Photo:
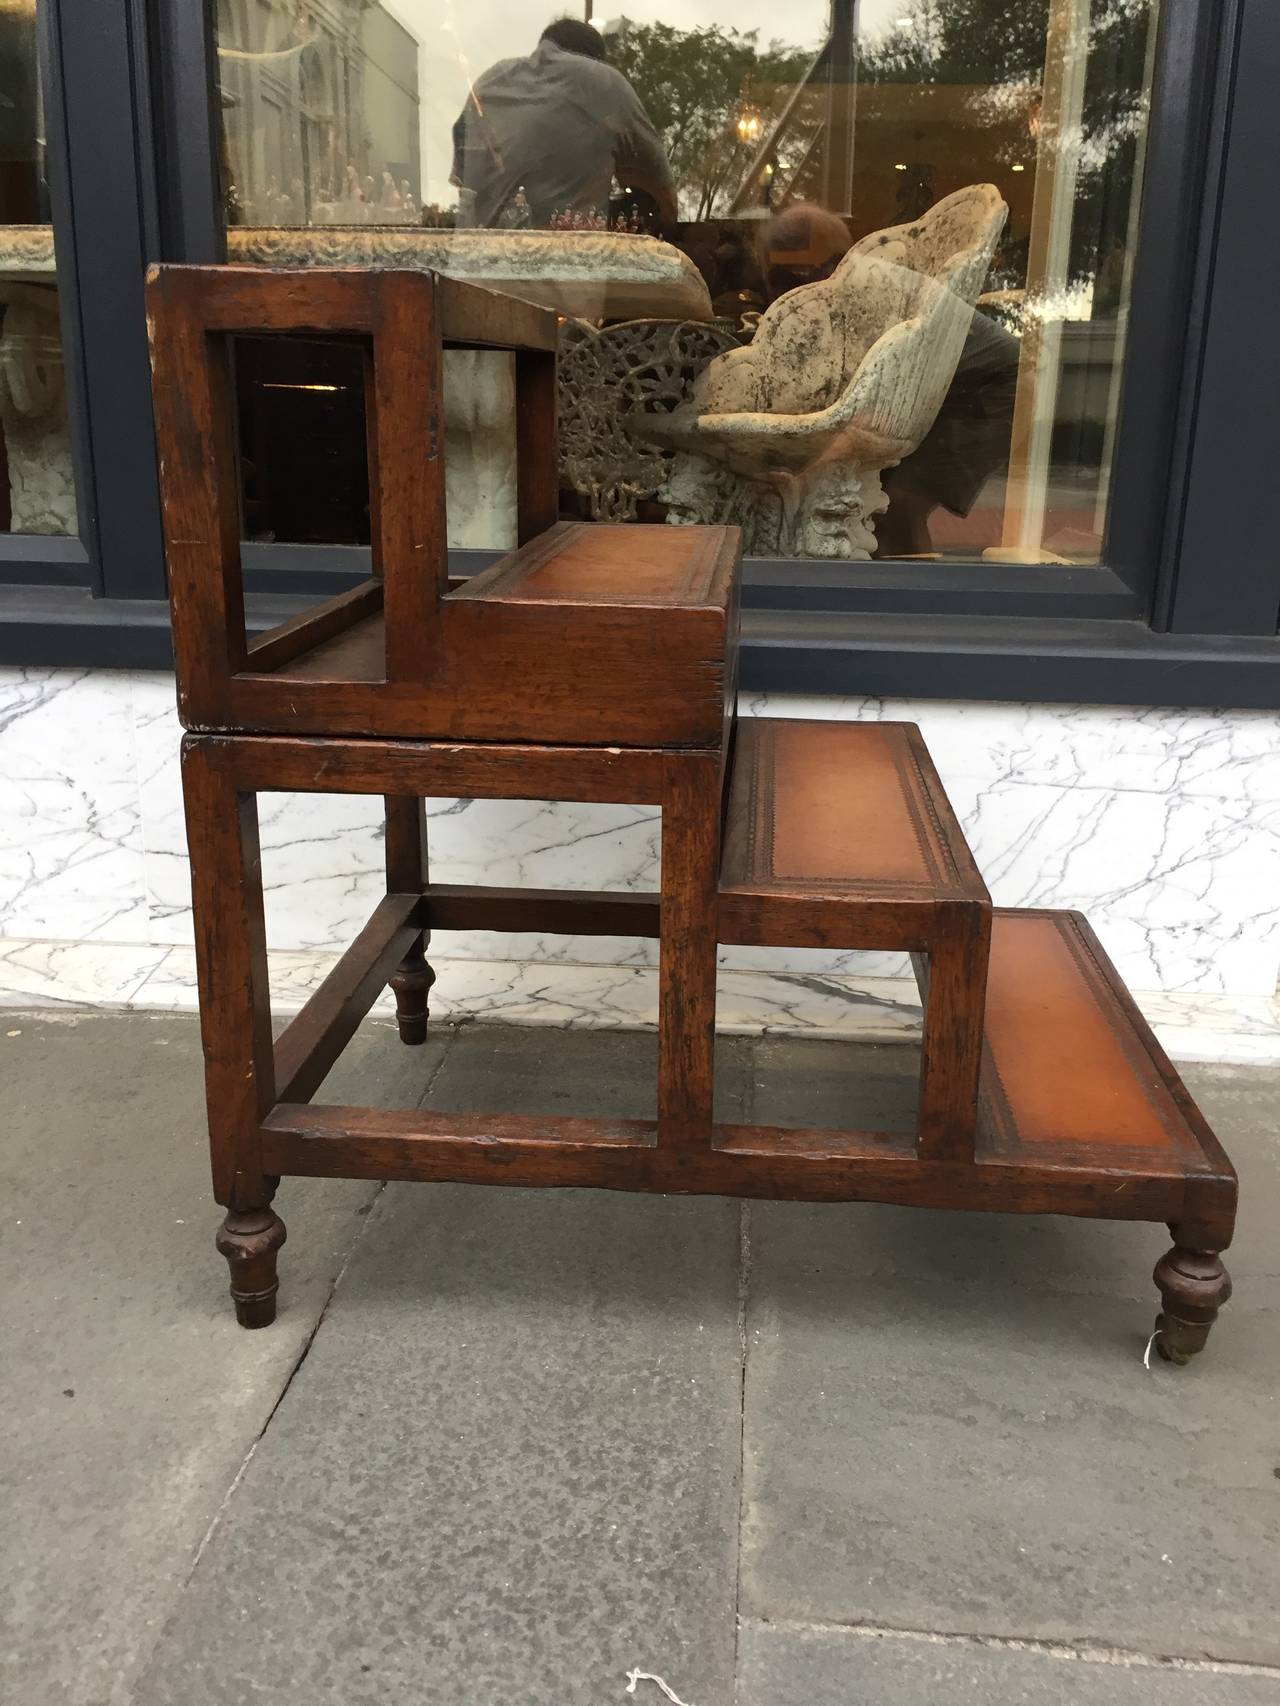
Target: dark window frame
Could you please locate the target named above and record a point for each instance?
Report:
(60, 559)
(137, 85)
(99, 164)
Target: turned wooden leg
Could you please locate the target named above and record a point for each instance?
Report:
(1193, 1287)
(411, 985)
(250, 1239)
(407, 874)
(235, 1016)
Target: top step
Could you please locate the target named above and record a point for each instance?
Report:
(587, 636)
(584, 636)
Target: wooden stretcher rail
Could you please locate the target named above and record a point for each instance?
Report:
(744, 1161)
(581, 912)
(393, 1143)
(743, 919)
(308, 1047)
(438, 769)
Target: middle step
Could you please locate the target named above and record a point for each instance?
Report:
(840, 835)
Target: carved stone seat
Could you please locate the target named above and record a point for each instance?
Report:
(788, 436)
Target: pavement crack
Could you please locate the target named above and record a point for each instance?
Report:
(304, 1351)
(451, 1033)
(1083, 1651)
(744, 1286)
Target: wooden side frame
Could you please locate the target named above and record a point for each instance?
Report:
(245, 1077)
(404, 321)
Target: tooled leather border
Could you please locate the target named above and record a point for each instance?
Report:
(921, 809)
(695, 582)
(997, 1127)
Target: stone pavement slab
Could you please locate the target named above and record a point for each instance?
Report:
(508, 1467)
(789, 1667)
(506, 1472)
(949, 1427)
(1242, 1104)
(537, 1069)
(130, 1396)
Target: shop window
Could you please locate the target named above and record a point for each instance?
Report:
(887, 317)
(37, 486)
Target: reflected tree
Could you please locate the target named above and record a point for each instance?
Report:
(712, 93)
(998, 47)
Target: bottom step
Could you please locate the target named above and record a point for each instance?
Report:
(1079, 1112)
(1072, 1077)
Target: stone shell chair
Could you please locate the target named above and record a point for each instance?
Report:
(789, 435)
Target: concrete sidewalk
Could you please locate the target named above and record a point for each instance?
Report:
(508, 1446)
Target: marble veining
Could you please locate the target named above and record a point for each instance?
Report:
(70, 832)
(87, 975)
(1163, 825)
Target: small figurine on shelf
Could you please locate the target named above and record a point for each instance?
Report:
(516, 215)
(578, 219)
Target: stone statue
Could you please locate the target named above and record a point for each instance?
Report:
(844, 377)
(33, 409)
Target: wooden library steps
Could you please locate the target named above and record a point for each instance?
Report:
(599, 664)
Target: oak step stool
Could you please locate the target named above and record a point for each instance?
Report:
(599, 664)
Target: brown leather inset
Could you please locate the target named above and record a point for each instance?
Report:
(1067, 1067)
(608, 565)
(835, 805)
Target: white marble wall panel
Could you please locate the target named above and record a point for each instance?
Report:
(1162, 825)
(70, 833)
(1162, 750)
(322, 854)
(78, 974)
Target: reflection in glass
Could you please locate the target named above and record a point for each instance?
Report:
(542, 138)
(37, 488)
(907, 227)
(321, 122)
(304, 461)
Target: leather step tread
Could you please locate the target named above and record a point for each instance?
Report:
(633, 566)
(841, 809)
(1071, 1073)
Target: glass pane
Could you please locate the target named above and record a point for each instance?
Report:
(304, 459)
(855, 275)
(37, 489)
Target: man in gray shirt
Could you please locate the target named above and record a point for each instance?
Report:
(559, 125)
